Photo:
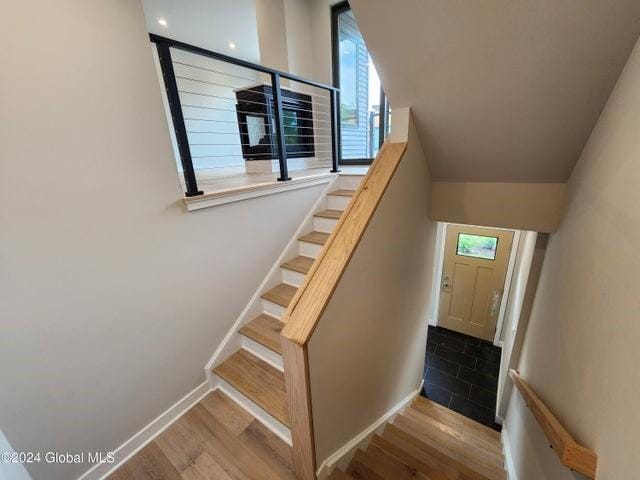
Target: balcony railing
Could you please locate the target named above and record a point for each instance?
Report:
(232, 116)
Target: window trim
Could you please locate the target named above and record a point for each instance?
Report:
(336, 10)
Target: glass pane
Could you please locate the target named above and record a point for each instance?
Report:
(478, 246)
(348, 82)
(360, 91)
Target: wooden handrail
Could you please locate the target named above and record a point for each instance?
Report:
(570, 453)
(307, 306)
(311, 299)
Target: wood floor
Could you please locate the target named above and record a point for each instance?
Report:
(215, 440)
(219, 440)
(429, 442)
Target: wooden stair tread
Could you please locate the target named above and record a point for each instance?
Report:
(456, 420)
(300, 264)
(339, 475)
(360, 470)
(388, 466)
(258, 381)
(265, 330)
(333, 214)
(417, 449)
(432, 468)
(281, 294)
(476, 463)
(463, 434)
(319, 238)
(343, 193)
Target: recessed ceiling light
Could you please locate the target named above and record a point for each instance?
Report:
(162, 22)
(232, 45)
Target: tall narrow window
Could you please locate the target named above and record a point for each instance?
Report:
(363, 112)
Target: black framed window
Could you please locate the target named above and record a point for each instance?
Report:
(363, 109)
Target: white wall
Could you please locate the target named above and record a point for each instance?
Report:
(581, 351)
(112, 297)
(367, 353)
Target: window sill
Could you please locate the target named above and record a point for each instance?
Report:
(213, 199)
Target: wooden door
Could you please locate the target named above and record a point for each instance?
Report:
(473, 276)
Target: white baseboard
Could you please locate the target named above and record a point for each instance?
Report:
(508, 456)
(136, 443)
(343, 455)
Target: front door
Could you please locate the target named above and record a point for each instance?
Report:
(473, 275)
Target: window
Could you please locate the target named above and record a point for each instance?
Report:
(348, 82)
(363, 109)
(477, 246)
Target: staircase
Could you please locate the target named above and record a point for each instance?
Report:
(249, 366)
(430, 442)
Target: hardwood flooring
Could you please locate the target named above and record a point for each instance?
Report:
(216, 439)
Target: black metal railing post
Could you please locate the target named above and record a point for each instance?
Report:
(279, 126)
(171, 86)
(335, 132)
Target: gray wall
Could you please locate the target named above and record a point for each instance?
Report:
(112, 298)
(581, 350)
(371, 339)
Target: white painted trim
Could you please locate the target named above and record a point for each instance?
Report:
(253, 191)
(262, 352)
(136, 443)
(438, 265)
(515, 244)
(508, 456)
(344, 454)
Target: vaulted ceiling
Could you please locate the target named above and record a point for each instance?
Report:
(501, 90)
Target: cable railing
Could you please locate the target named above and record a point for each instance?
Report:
(231, 116)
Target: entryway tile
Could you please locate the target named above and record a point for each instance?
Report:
(461, 373)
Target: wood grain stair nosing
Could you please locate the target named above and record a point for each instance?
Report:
(257, 380)
(343, 192)
(318, 238)
(260, 331)
(281, 294)
(301, 264)
(329, 214)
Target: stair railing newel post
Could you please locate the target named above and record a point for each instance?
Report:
(173, 98)
(279, 126)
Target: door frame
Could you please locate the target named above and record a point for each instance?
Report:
(441, 236)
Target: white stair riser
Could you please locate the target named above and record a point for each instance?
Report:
(291, 277)
(350, 182)
(325, 225)
(262, 352)
(337, 202)
(254, 409)
(273, 309)
(310, 249)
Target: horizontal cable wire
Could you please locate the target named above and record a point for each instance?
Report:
(298, 109)
(235, 87)
(243, 123)
(253, 113)
(251, 80)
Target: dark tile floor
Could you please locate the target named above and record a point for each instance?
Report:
(461, 373)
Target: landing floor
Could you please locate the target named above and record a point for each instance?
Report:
(461, 373)
(215, 439)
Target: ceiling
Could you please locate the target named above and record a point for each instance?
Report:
(501, 90)
(211, 24)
